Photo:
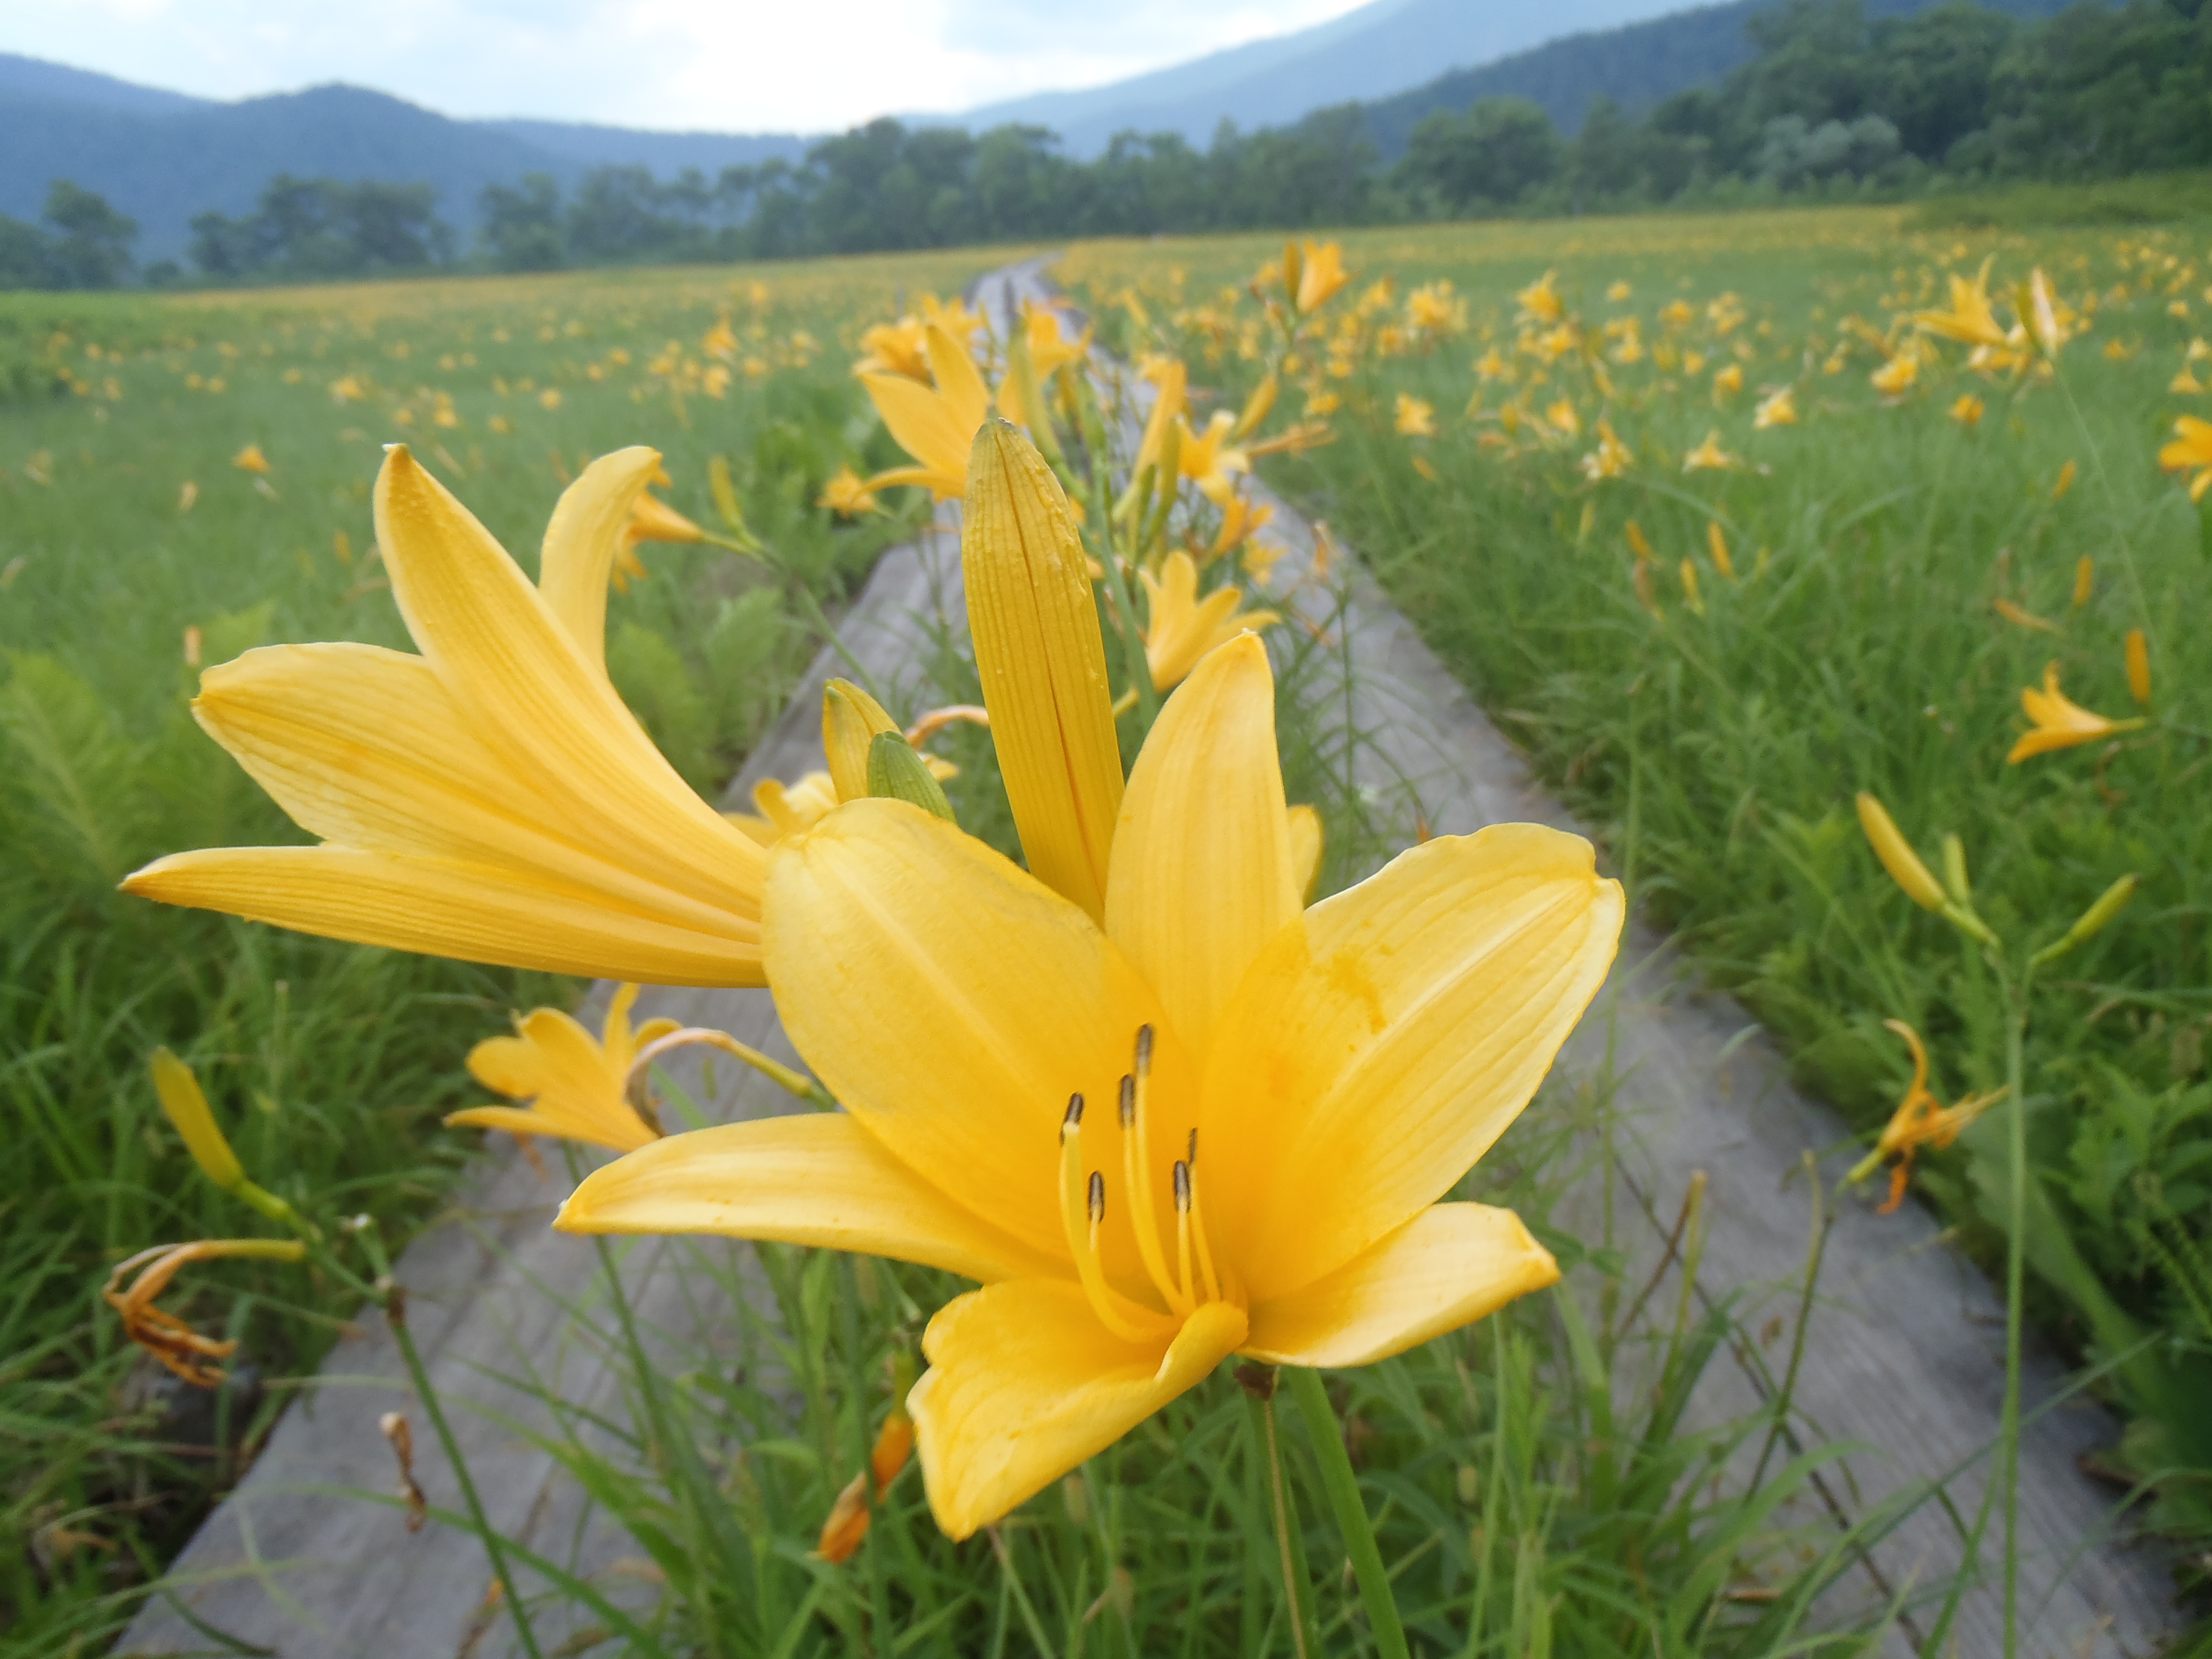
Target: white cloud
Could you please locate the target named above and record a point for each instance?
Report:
(729, 65)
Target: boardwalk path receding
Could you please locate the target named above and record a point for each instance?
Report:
(1903, 1356)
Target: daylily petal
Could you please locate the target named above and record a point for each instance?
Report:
(953, 1003)
(1373, 1054)
(471, 912)
(537, 697)
(582, 538)
(1449, 1265)
(818, 1180)
(1203, 875)
(368, 748)
(1043, 662)
(923, 427)
(1025, 1384)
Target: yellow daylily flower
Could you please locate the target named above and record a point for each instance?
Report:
(1920, 1120)
(1895, 378)
(250, 459)
(2059, 722)
(1969, 320)
(935, 424)
(2190, 450)
(491, 799)
(2137, 651)
(1180, 628)
(651, 520)
(1778, 409)
(1610, 459)
(574, 1085)
(1209, 458)
(1539, 301)
(1710, 457)
(1049, 351)
(1169, 377)
(1322, 275)
(1562, 418)
(1214, 1124)
(1728, 381)
(846, 495)
(1967, 410)
(1417, 417)
(899, 347)
(1241, 520)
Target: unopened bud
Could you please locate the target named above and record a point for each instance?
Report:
(186, 1107)
(851, 720)
(896, 771)
(2093, 921)
(1897, 855)
(1954, 871)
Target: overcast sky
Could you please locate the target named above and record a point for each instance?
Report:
(728, 65)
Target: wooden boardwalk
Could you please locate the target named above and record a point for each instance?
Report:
(1903, 1356)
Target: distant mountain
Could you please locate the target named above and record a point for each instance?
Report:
(163, 157)
(1636, 66)
(1381, 48)
(57, 83)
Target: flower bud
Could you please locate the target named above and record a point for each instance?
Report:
(897, 772)
(1954, 871)
(1897, 855)
(2093, 921)
(2139, 667)
(186, 1107)
(851, 721)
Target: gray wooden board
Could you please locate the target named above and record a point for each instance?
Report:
(1902, 1358)
(289, 1563)
(1906, 1353)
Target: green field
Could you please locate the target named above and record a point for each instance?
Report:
(129, 540)
(1711, 725)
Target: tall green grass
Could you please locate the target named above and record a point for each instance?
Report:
(1857, 648)
(330, 1064)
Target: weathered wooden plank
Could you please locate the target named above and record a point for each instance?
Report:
(291, 1563)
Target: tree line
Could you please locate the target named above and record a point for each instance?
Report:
(1833, 104)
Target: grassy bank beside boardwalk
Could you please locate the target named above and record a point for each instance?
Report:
(1723, 537)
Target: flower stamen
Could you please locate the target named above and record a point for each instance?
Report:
(1082, 1211)
(1137, 1169)
(1198, 1221)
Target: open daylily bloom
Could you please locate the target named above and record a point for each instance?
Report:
(1170, 378)
(1416, 416)
(936, 423)
(1970, 320)
(1779, 409)
(1181, 628)
(2059, 722)
(573, 1084)
(2190, 452)
(1214, 1124)
(1920, 1120)
(1049, 352)
(1321, 276)
(1539, 301)
(491, 799)
(651, 520)
(1241, 519)
(1209, 459)
(1710, 457)
(1610, 459)
(845, 495)
(250, 459)
(899, 347)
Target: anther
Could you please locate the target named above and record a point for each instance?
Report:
(1128, 1101)
(1073, 1121)
(1191, 1156)
(1098, 1198)
(1182, 1188)
(1144, 1050)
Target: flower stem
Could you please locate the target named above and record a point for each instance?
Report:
(392, 1299)
(1343, 1488)
(2015, 1285)
(1260, 1399)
